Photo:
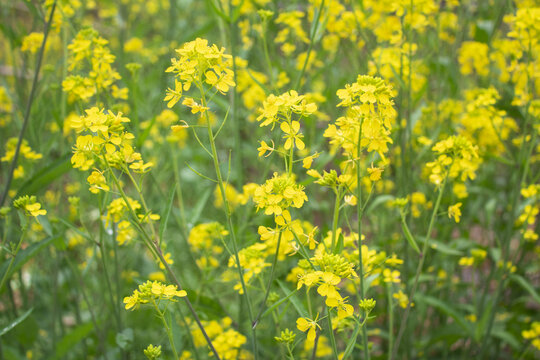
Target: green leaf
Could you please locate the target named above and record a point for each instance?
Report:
(408, 235)
(448, 310)
(165, 219)
(351, 342)
(526, 286)
(45, 176)
(339, 245)
(293, 299)
(125, 338)
(16, 322)
(201, 204)
(507, 338)
(277, 303)
(44, 222)
(441, 247)
(25, 255)
(379, 200)
(71, 339)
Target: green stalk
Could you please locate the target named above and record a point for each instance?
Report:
(28, 107)
(390, 321)
(237, 126)
(155, 249)
(423, 256)
(179, 193)
(523, 163)
(266, 54)
(336, 217)
(360, 213)
(270, 280)
(229, 219)
(315, 27)
(14, 255)
(331, 332)
(161, 315)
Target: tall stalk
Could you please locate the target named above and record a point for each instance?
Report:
(360, 213)
(28, 106)
(419, 268)
(228, 215)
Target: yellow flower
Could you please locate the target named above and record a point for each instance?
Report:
(454, 211)
(402, 298)
(32, 42)
(264, 148)
(29, 205)
(293, 137)
(374, 173)
(35, 209)
(306, 324)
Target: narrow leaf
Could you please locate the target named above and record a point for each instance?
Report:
(408, 235)
(520, 280)
(71, 339)
(25, 255)
(448, 310)
(165, 219)
(293, 299)
(44, 177)
(16, 322)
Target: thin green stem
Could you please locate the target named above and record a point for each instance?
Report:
(336, 217)
(331, 333)
(314, 27)
(179, 193)
(14, 255)
(230, 225)
(155, 249)
(28, 107)
(161, 315)
(270, 280)
(390, 321)
(360, 212)
(423, 256)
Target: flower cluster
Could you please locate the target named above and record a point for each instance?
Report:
(103, 135)
(280, 110)
(234, 198)
(367, 124)
(25, 153)
(90, 56)
(457, 158)
(333, 269)
(29, 205)
(153, 292)
(533, 334)
(227, 341)
(278, 194)
(199, 63)
(202, 239)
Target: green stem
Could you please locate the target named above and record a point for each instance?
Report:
(229, 219)
(270, 280)
(336, 218)
(423, 256)
(360, 213)
(28, 108)
(155, 249)
(167, 328)
(179, 193)
(14, 255)
(314, 28)
(390, 321)
(331, 332)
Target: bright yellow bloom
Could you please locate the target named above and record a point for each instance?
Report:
(454, 211)
(29, 205)
(306, 324)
